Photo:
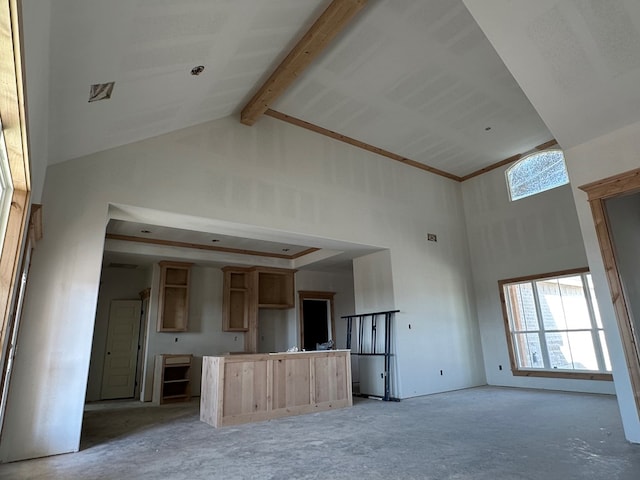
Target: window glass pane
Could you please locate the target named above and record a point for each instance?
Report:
(551, 307)
(559, 351)
(605, 350)
(594, 301)
(582, 351)
(576, 311)
(528, 351)
(536, 173)
(571, 350)
(563, 304)
(523, 308)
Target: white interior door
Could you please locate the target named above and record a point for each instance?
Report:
(120, 361)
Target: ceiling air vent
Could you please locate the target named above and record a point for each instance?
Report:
(101, 91)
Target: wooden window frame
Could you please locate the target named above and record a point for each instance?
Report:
(14, 125)
(524, 372)
(597, 193)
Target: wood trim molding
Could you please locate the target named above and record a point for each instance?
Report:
(394, 156)
(12, 95)
(144, 294)
(607, 377)
(328, 25)
(171, 243)
(14, 128)
(35, 222)
(507, 161)
(598, 192)
(357, 143)
(626, 182)
(528, 278)
(10, 255)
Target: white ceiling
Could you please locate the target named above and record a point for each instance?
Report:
(148, 47)
(415, 77)
(420, 79)
(578, 61)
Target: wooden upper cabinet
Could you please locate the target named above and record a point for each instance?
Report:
(236, 299)
(245, 290)
(275, 287)
(173, 305)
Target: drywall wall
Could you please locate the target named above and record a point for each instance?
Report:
(436, 336)
(600, 158)
(373, 287)
(533, 235)
(624, 224)
(373, 282)
(115, 284)
(273, 177)
(276, 330)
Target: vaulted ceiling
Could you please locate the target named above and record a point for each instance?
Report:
(416, 78)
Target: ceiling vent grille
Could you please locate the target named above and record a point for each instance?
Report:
(101, 91)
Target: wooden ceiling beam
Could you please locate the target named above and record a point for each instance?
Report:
(332, 21)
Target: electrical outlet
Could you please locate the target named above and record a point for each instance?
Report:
(432, 237)
(499, 367)
(440, 372)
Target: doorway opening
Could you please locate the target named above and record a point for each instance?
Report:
(614, 204)
(317, 322)
(118, 351)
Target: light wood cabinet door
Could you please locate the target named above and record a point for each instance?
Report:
(173, 305)
(235, 301)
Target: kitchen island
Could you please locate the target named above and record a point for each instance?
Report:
(255, 387)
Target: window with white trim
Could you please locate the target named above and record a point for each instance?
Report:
(536, 173)
(553, 326)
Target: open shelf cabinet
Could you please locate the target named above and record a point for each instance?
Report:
(172, 378)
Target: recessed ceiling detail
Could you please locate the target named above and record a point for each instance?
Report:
(154, 234)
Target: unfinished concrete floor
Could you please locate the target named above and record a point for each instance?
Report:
(480, 433)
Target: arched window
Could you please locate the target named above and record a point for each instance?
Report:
(536, 173)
